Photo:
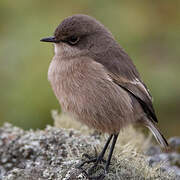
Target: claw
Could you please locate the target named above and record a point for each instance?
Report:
(86, 156)
(100, 177)
(86, 162)
(90, 171)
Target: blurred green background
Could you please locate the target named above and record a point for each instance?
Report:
(148, 30)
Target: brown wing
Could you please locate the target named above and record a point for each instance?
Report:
(123, 72)
(139, 91)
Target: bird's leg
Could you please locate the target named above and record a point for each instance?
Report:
(101, 176)
(101, 155)
(111, 152)
(99, 158)
(115, 136)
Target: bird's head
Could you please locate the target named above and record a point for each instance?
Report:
(79, 35)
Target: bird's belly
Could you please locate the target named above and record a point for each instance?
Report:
(97, 109)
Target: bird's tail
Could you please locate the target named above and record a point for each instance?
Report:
(157, 134)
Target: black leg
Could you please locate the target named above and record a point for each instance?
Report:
(99, 158)
(111, 152)
(101, 155)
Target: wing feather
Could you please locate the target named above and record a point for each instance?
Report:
(123, 72)
(139, 91)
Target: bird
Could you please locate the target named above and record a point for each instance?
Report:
(96, 82)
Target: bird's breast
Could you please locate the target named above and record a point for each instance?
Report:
(67, 78)
(84, 89)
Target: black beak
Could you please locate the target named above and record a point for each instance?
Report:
(50, 39)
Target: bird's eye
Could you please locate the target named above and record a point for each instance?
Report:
(73, 40)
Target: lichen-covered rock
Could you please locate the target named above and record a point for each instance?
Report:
(54, 154)
(48, 154)
(170, 161)
(153, 150)
(174, 142)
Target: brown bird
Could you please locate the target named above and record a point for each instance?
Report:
(95, 80)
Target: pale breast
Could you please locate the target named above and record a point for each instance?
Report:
(84, 89)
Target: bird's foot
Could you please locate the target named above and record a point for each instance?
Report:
(92, 174)
(94, 160)
(100, 177)
(96, 166)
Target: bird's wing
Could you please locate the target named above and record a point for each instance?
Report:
(123, 72)
(138, 90)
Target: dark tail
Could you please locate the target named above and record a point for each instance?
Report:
(157, 134)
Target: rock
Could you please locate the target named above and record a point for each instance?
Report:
(47, 154)
(157, 158)
(172, 169)
(152, 150)
(170, 161)
(174, 143)
(174, 158)
(153, 160)
(54, 154)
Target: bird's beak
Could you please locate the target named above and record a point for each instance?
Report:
(50, 39)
